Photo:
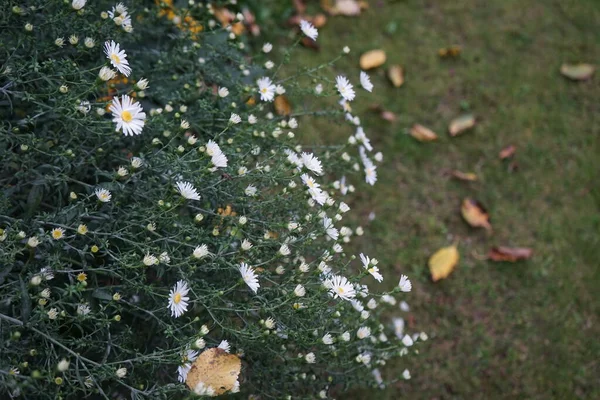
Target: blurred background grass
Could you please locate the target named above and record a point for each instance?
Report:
(524, 330)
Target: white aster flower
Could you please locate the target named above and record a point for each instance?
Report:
(310, 358)
(128, 115)
(267, 47)
(319, 88)
(121, 372)
(345, 336)
(331, 231)
(235, 119)
(284, 250)
(363, 332)
(200, 251)
(309, 30)
(78, 4)
(103, 195)
(311, 162)
(269, 64)
(52, 313)
(142, 84)
(89, 42)
(150, 260)
(371, 268)
(250, 191)
(187, 190)
(219, 160)
(405, 284)
(224, 345)
(178, 299)
(365, 81)
(45, 293)
(73, 39)
(280, 90)
(63, 365)
(164, 258)
(252, 119)
(249, 276)
(299, 291)
(327, 339)
(83, 309)
(266, 88)
(117, 57)
(345, 88)
(223, 92)
(60, 42)
(57, 233)
(136, 162)
(339, 286)
(404, 306)
(407, 341)
(246, 245)
(406, 374)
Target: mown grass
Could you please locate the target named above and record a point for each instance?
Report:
(525, 330)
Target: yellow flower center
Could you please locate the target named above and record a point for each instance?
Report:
(177, 298)
(263, 90)
(126, 116)
(115, 58)
(57, 234)
(340, 290)
(371, 270)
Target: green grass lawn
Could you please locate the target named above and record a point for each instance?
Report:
(528, 330)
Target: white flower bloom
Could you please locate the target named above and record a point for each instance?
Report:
(386, 298)
(293, 123)
(224, 345)
(250, 191)
(299, 291)
(267, 47)
(346, 49)
(310, 358)
(150, 260)
(128, 115)
(284, 250)
(219, 160)
(331, 231)
(269, 64)
(362, 137)
(371, 268)
(246, 245)
(363, 332)
(270, 323)
(223, 92)
(406, 374)
(372, 304)
(164, 258)
(235, 119)
(63, 365)
(319, 89)
(136, 162)
(83, 309)
(199, 343)
(187, 190)
(53, 313)
(327, 339)
(266, 88)
(379, 156)
(78, 4)
(370, 174)
(364, 314)
(252, 119)
(121, 372)
(45, 293)
(407, 341)
(309, 30)
(365, 81)
(404, 306)
(313, 188)
(405, 284)
(184, 124)
(345, 88)
(344, 207)
(117, 57)
(89, 42)
(178, 299)
(280, 90)
(311, 162)
(304, 267)
(339, 286)
(345, 336)
(103, 195)
(249, 276)
(201, 251)
(73, 39)
(106, 73)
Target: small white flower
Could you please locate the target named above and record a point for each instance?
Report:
(405, 284)
(311, 162)
(33, 242)
(346, 49)
(266, 88)
(345, 88)
(280, 90)
(300, 291)
(63, 365)
(178, 299)
(246, 245)
(164, 258)
(406, 374)
(284, 250)
(370, 267)
(224, 345)
(344, 207)
(379, 156)
(249, 276)
(121, 372)
(252, 119)
(103, 195)
(128, 115)
(345, 336)
(386, 298)
(235, 119)
(331, 231)
(83, 309)
(73, 39)
(122, 171)
(89, 42)
(201, 251)
(60, 42)
(269, 64)
(45, 293)
(53, 313)
(199, 343)
(150, 260)
(78, 4)
(136, 162)
(142, 84)
(339, 286)
(250, 190)
(365, 81)
(184, 124)
(187, 190)
(223, 92)
(46, 273)
(309, 30)
(267, 47)
(327, 339)
(319, 89)
(310, 358)
(363, 332)
(372, 304)
(407, 341)
(270, 323)
(398, 327)
(404, 306)
(117, 57)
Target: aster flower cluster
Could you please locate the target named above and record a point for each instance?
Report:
(156, 205)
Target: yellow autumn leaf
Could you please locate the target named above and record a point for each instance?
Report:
(464, 176)
(474, 213)
(422, 134)
(216, 369)
(461, 124)
(282, 105)
(443, 262)
(396, 75)
(577, 72)
(372, 59)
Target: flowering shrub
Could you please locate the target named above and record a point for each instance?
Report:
(153, 206)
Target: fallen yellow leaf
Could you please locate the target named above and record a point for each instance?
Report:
(214, 368)
(461, 124)
(282, 105)
(464, 176)
(475, 215)
(577, 72)
(422, 134)
(443, 262)
(396, 75)
(372, 59)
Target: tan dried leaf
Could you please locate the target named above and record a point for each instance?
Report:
(422, 134)
(214, 368)
(443, 262)
(474, 213)
(578, 72)
(461, 124)
(464, 176)
(507, 152)
(372, 59)
(282, 105)
(396, 75)
(349, 8)
(510, 254)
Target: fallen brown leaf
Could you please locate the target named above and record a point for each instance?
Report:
(510, 254)
(372, 59)
(507, 152)
(452, 51)
(309, 43)
(319, 20)
(422, 134)
(464, 176)
(474, 213)
(443, 262)
(282, 105)
(396, 74)
(577, 72)
(215, 368)
(461, 124)
(383, 113)
(348, 8)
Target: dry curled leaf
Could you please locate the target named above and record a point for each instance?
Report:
(282, 105)
(452, 51)
(577, 72)
(474, 213)
(443, 262)
(383, 113)
(309, 43)
(461, 124)
(507, 152)
(510, 254)
(349, 8)
(464, 176)
(214, 368)
(372, 59)
(422, 134)
(396, 75)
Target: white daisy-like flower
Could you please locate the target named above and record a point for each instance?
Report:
(299, 291)
(57, 233)
(266, 88)
(150, 260)
(223, 92)
(280, 90)
(405, 284)
(310, 161)
(117, 57)
(339, 286)
(284, 250)
(406, 374)
(267, 47)
(293, 158)
(46, 273)
(404, 306)
(331, 231)
(319, 88)
(309, 30)
(407, 341)
(250, 191)
(246, 245)
(52, 313)
(136, 162)
(83, 309)
(269, 64)
(78, 4)
(365, 81)
(314, 189)
(178, 299)
(235, 119)
(121, 372)
(187, 190)
(249, 276)
(142, 84)
(270, 323)
(252, 119)
(63, 365)
(201, 251)
(103, 195)
(128, 115)
(219, 160)
(344, 87)
(327, 339)
(370, 173)
(363, 332)
(224, 345)
(310, 358)
(89, 42)
(371, 269)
